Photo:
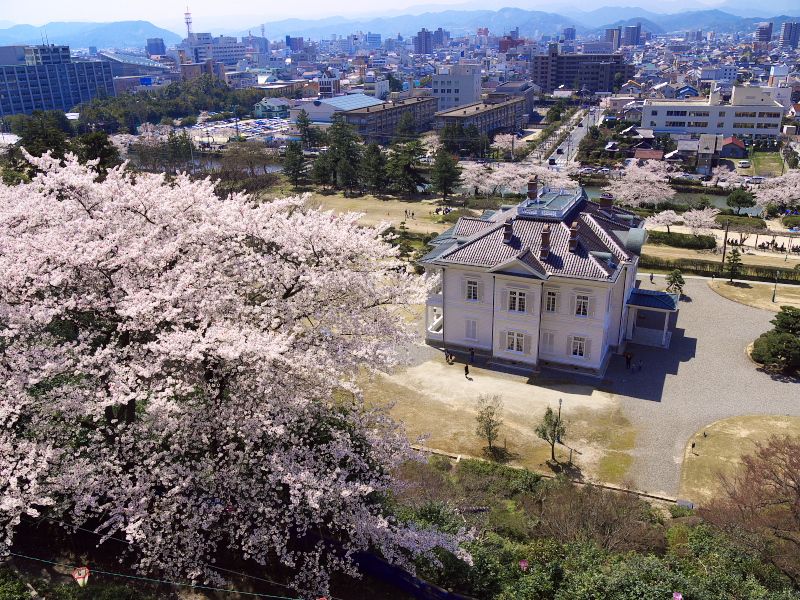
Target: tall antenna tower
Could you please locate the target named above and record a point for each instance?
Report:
(187, 18)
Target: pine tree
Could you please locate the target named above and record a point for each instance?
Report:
(734, 261)
(294, 163)
(373, 168)
(304, 127)
(402, 167)
(675, 282)
(406, 128)
(446, 174)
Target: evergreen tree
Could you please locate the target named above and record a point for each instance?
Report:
(403, 166)
(42, 131)
(373, 168)
(322, 171)
(304, 128)
(451, 136)
(675, 282)
(739, 199)
(734, 261)
(294, 163)
(344, 151)
(446, 174)
(96, 146)
(551, 430)
(406, 128)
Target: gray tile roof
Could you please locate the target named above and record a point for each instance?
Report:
(653, 299)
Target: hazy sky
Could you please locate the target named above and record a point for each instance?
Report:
(215, 14)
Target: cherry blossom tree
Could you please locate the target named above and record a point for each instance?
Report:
(726, 178)
(780, 191)
(178, 370)
(640, 184)
(700, 219)
(502, 178)
(666, 218)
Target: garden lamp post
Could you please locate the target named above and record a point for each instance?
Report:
(775, 289)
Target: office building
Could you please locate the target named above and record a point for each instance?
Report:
(295, 44)
(632, 35)
(614, 37)
(423, 42)
(50, 80)
(508, 115)
(455, 85)
(200, 47)
(568, 34)
(127, 65)
(155, 47)
(790, 35)
(440, 38)
(764, 32)
(593, 72)
(752, 112)
(378, 123)
(372, 41)
(329, 85)
(376, 86)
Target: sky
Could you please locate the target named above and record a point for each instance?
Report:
(216, 15)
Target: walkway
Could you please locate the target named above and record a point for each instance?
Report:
(704, 377)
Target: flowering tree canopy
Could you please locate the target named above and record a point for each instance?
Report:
(640, 184)
(503, 178)
(177, 370)
(780, 191)
(727, 178)
(666, 218)
(700, 219)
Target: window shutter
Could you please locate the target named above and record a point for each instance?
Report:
(504, 300)
(463, 289)
(528, 302)
(480, 291)
(588, 347)
(504, 340)
(526, 344)
(569, 345)
(466, 329)
(572, 304)
(590, 310)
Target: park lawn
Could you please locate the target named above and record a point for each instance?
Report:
(721, 451)
(758, 295)
(437, 406)
(778, 260)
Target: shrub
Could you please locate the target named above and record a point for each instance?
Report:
(682, 240)
(777, 350)
(694, 266)
(11, 586)
(791, 221)
(755, 222)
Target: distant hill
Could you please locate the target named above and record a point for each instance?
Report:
(119, 34)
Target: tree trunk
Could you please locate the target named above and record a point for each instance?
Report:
(553, 452)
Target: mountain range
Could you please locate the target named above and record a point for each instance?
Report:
(132, 34)
(118, 34)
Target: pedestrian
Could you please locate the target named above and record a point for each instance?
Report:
(447, 356)
(466, 371)
(639, 365)
(412, 215)
(628, 359)
(651, 277)
(472, 356)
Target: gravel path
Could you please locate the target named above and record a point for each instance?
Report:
(704, 377)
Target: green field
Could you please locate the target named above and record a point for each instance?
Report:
(765, 164)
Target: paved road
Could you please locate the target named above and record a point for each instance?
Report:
(569, 147)
(705, 376)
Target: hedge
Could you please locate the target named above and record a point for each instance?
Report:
(755, 222)
(708, 268)
(682, 240)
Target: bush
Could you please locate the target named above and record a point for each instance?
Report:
(682, 240)
(791, 221)
(12, 587)
(777, 350)
(755, 222)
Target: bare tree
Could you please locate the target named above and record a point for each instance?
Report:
(762, 501)
(489, 419)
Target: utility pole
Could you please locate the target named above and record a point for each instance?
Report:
(725, 242)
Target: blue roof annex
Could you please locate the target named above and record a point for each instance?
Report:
(654, 300)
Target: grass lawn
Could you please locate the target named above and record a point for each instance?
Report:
(438, 404)
(722, 449)
(758, 295)
(765, 164)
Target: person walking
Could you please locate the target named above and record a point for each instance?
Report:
(466, 371)
(628, 360)
(651, 277)
(472, 356)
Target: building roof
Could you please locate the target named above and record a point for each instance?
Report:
(476, 108)
(350, 101)
(653, 299)
(390, 105)
(733, 140)
(602, 235)
(646, 154)
(132, 59)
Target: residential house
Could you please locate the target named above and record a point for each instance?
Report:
(732, 147)
(271, 108)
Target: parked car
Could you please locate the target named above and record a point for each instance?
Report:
(559, 151)
(743, 164)
(551, 161)
(754, 180)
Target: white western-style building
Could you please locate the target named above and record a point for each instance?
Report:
(548, 282)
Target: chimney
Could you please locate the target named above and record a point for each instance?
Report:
(533, 187)
(507, 232)
(606, 200)
(544, 252)
(573, 237)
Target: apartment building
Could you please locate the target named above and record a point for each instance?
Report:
(594, 72)
(549, 282)
(751, 113)
(378, 123)
(457, 85)
(376, 86)
(507, 115)
(790, 35)
(50, 80)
